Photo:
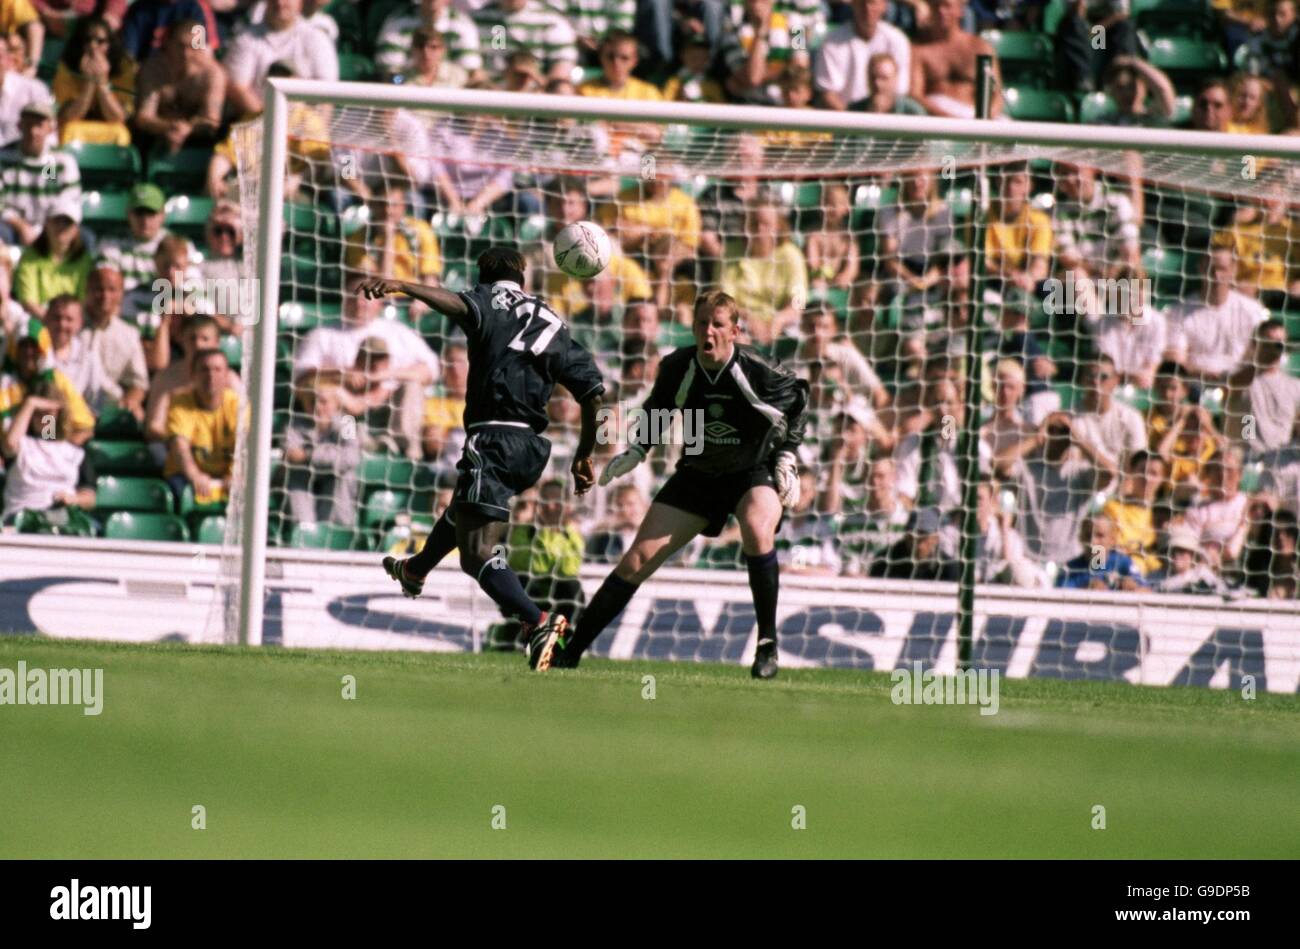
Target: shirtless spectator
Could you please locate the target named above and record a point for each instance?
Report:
(841, 69)
(181, 89)
(943, 65)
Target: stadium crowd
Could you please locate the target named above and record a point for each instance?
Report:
(1147, 445)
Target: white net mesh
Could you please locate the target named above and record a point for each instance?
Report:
(1131, 314)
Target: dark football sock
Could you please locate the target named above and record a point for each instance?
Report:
(765, 583)
(604, 607)
(440, 542)
(502, 584)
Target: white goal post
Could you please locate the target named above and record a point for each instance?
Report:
(864, 143)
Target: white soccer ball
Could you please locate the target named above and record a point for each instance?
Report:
(582, 249)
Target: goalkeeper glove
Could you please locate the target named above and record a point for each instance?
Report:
(621, 464)
(787, 479)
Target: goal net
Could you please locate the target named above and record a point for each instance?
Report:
(1053, 362)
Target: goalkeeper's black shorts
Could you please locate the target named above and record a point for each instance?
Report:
(500, 460)
(712, 497)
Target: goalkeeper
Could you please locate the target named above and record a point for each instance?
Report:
(518, 350)
(751, 412)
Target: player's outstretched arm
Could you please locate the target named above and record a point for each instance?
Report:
(444, 301)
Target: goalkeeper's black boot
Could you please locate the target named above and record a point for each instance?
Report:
(411, 586)
(545, 640)
(764, 666)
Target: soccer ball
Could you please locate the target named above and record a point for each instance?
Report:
(582, 249)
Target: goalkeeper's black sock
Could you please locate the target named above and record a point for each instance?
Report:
(502, 584)
(765, 583)
(440, 542)
(604, 607)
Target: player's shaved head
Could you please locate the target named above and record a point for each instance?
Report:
(501, 263)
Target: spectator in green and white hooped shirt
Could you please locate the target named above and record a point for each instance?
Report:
(34, 176)
(133, 255)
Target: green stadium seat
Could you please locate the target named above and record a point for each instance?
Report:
(188, 215)
(104, 212)
(120, 493)
(115, 422)
(234, 350)
(212, 530)
(383, 507)
(386, 471)
(301, 318)
(1293, 363)
(1174, 18)
(375, 17)
(351, 29)
(185, 172)
(51, 50)
(121, 458)
(1052, 15)
(1292, 320)
(134, 525)
(1187, 60)
(106, 167)
(1166, 266)
(1096, 107)
(323, 537)
(1182, 111)
(354, 67)
(1025, 57)
(1038, 105)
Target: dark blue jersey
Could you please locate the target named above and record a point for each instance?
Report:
(518, 350)
(746, 411)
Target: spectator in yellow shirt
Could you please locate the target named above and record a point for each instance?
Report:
(1018, 244)
(201, 428)
(1132, 510)
(658, 224)
(20, 17)
(395, 245)
(1180, 432)
(770, 281)
(1265, 239)
(618, 57)
(94, 86)
(692, 83)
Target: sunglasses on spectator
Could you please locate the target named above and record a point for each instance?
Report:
(223, 230)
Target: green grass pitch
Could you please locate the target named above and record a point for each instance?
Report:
(714, 766)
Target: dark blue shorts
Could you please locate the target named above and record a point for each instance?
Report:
(498, 463)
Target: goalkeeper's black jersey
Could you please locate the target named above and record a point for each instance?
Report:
(745, 411)
(518, 350)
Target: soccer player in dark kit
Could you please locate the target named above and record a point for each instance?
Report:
(753, 420)
(518, 350)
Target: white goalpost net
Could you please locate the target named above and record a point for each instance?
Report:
(1055, 362)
